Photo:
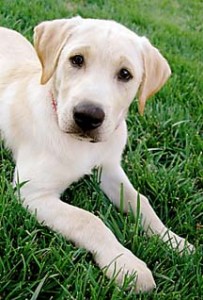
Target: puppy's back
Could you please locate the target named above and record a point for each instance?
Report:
(18, 59)
(14, 47)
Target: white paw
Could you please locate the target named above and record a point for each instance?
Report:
(178, 243)
(185, 246)
(124, 263)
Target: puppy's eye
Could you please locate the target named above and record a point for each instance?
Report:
(77, 61)
(124, 75)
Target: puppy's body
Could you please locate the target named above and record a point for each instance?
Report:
(52, 151)
(27, 106)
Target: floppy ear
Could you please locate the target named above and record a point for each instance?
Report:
(156, 73)
(49, 39)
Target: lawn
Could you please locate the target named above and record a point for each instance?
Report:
(163, 160)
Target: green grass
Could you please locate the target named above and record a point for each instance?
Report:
(163, 159)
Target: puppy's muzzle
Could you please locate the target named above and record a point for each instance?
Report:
(88, 116)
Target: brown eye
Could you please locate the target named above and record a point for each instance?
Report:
(124, 75)
(77, 61)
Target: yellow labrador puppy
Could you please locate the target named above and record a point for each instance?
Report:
(62, 112)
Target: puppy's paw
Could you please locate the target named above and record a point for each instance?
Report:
(124, 263)
(180, 244)
(185, 247)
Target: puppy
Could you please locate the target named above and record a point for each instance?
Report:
(62, 113)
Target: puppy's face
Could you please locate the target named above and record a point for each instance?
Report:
(96, 72)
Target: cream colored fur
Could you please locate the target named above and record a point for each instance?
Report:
(49, 156)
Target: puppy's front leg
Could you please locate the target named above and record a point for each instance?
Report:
(112, 178)
(88, 231)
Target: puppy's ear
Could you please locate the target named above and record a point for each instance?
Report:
(49, 39)
(156, 73)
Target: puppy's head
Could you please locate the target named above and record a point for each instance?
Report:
(96, 67)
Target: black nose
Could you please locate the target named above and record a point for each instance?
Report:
(88, 116)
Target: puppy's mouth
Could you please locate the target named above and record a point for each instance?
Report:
(84, 136)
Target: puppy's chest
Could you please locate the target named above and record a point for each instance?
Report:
(79, 161)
